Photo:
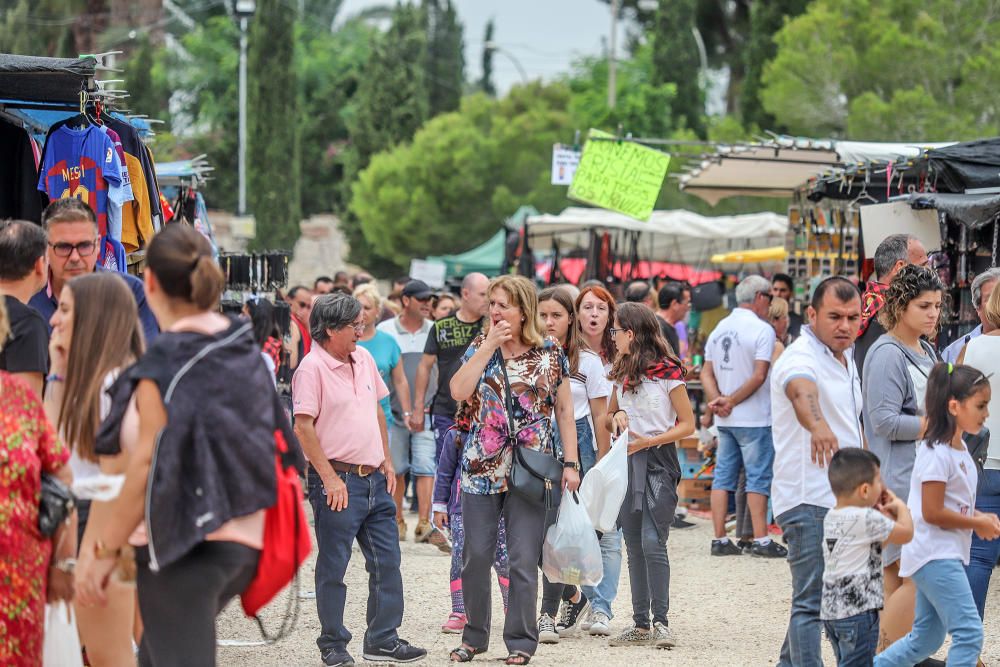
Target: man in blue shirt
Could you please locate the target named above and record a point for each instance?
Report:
(74, 246)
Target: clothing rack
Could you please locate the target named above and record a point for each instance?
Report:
(255, 272)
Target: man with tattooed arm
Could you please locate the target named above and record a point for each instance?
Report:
(815, 403)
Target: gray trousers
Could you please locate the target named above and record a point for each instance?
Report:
(525, 534)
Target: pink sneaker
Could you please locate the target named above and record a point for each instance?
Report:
(455, 625)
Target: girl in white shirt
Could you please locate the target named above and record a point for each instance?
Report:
(942, 500)
(651, 402)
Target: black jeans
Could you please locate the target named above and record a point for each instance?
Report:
(525, 525)
(180, 602)
(648, 567)
(370, 517)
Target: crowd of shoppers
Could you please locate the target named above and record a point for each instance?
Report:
(884, 484)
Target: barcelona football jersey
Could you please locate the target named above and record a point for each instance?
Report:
(81, 163)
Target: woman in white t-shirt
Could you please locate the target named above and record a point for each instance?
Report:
(650, 401)
(95, 334)
(942, 500)
(590, 390)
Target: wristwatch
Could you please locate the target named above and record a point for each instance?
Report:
(407, 414)
(572, 464)
(66, 565)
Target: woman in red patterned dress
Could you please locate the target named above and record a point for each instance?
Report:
(28, 572)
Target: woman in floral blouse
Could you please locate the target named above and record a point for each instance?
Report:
(29, 573)
(536, 368)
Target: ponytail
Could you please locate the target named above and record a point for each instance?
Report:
(181, 259)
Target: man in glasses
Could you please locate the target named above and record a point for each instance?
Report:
(300, 301)
(23, 270)
(74, 246)
(737, 359)
(413, 451)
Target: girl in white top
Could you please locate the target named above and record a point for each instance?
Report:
(95, 334)
(651, 403)
(942, 500)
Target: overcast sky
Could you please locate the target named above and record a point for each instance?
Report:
(546, 36)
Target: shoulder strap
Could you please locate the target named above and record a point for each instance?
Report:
(508, 393)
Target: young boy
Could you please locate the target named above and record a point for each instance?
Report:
(866, 516)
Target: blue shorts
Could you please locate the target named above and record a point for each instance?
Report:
(744, 447)
(413, 452)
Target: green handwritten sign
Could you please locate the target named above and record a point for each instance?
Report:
(619, 175)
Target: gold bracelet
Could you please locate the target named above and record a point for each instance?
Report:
(101, 552)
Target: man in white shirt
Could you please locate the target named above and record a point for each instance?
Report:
(816, 399)
(737, 359)
(982, 288)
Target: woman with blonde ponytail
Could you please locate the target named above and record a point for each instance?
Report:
(202, 471)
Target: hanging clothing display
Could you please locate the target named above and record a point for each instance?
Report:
(19, 198)
(142, 220)
(82, 163)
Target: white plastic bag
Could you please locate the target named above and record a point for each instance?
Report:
(603, 489)
(61, 647)
(571, 553)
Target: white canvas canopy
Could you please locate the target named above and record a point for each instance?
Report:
(679, 236)
(778, 167)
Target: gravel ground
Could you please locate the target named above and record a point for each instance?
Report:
(724, 611)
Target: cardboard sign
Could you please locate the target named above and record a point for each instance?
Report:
(879, 221)
(432, 273)
(620, 176)
(565, 161)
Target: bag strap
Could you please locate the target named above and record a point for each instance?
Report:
(508, 393)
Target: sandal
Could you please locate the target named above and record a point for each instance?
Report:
(465, 653)
(518, 658)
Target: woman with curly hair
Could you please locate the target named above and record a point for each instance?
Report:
(894, 411)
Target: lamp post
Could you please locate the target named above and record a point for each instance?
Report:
(493, 46)
(244, 10)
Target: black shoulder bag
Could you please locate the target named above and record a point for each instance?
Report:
(55, 506)
(535, 476)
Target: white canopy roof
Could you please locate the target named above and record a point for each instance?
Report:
(778, 167)
(670, 236)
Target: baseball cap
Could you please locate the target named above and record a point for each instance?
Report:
(417, 289)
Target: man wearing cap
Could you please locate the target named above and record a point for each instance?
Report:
(413, 452)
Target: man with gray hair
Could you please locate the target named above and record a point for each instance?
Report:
(343, 432)
(737, 359)
(891, 255)
(982, 288)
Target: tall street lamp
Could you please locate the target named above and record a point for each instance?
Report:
(244, 10)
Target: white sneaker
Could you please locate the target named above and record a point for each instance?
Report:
(587, 621)
(662, 636)
(547, 630)
(600, 624)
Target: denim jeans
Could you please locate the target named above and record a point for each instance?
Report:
(441, 424)
(370, 517)
(749, 448)
(854, 638)
(648, 567)
(984, 554)
(803, 528)
(603, 594)
(944, 606)
(585, 444)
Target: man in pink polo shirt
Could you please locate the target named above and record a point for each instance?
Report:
(342, 428)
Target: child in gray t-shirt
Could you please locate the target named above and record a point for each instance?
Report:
(866, 516)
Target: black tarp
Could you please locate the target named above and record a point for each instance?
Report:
(973, 211)
(36, 79)
(965, 166)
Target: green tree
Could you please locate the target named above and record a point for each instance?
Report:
(887, 70)
(145, 81)
(273, 156)
(389, 107)
(766, 19)
(463, 174)
(486, 84)
(22, 33)
(445, 61)
(676, 61)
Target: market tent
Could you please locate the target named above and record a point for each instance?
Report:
(679, 236)
(486, 258)
(44, 80)
(778, 167)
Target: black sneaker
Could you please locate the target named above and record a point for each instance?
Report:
(679, 522)
(745, 546)
(570, 616)
(770, 550)
(726, 548)
(333, 657)
(399, 651)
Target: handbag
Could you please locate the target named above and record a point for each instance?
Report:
(286, 544)
(534, 476)
(57, 501)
